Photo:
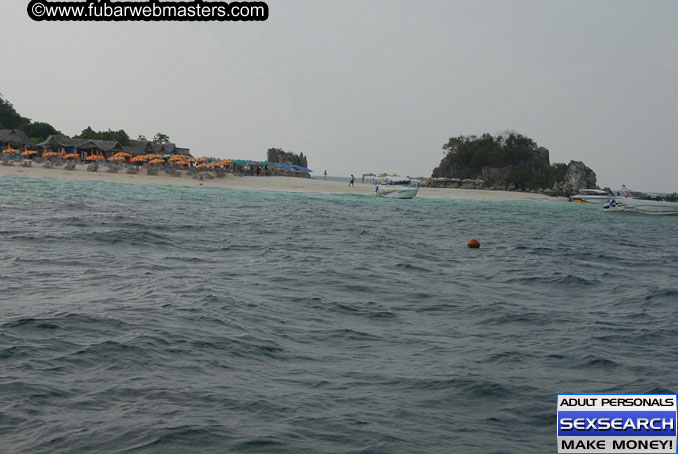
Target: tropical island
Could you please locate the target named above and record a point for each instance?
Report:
(508, 162)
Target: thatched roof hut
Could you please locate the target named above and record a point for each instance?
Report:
(83, 146)
(15, 136)
(98, 146)
(138, 147)
(57, 142)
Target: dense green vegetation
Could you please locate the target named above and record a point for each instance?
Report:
(11, 119)
(509, 158)
(38, 131)
(119, 136)
(161, 138)
(288, 157)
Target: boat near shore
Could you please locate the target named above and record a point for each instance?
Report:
(396, 188)
(591, 196)
(644, 206)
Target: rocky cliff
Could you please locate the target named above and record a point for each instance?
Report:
(578, 176)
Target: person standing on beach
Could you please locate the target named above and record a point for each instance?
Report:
(325, 174)
(352, 180)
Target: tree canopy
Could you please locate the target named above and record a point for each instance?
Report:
(11, 119)
(161, 138)
(39, 131)
(520, 160)
(286, 157)
(119, 136)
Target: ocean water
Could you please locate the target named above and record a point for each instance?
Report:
(142, 319)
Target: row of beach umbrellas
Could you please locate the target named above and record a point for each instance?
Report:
(202, 162)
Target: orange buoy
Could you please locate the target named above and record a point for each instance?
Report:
(473, 244)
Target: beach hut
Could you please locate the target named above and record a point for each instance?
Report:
(61, 145)
(89, 147)
(183, 151)
(138, 147)
(169, 149)
(56, 143)
(142, 147)
(83, 147)
(14, 137)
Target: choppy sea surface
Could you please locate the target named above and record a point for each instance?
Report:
(143, 319)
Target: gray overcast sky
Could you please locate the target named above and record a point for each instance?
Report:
(363, 86)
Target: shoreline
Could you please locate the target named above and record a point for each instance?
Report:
(276, 183)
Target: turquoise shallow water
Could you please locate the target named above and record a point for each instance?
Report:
(161, 320)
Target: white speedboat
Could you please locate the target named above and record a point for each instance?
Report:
(396, 188)
(591, 196)
(641, 206)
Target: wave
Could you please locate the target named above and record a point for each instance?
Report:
(150, 319)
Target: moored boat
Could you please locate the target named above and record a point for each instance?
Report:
(591, 196)
(644, 206)
(396, 188)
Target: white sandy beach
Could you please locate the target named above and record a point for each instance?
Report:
(260, 183)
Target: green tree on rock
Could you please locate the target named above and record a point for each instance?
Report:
(161, 138)
(507, 158)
